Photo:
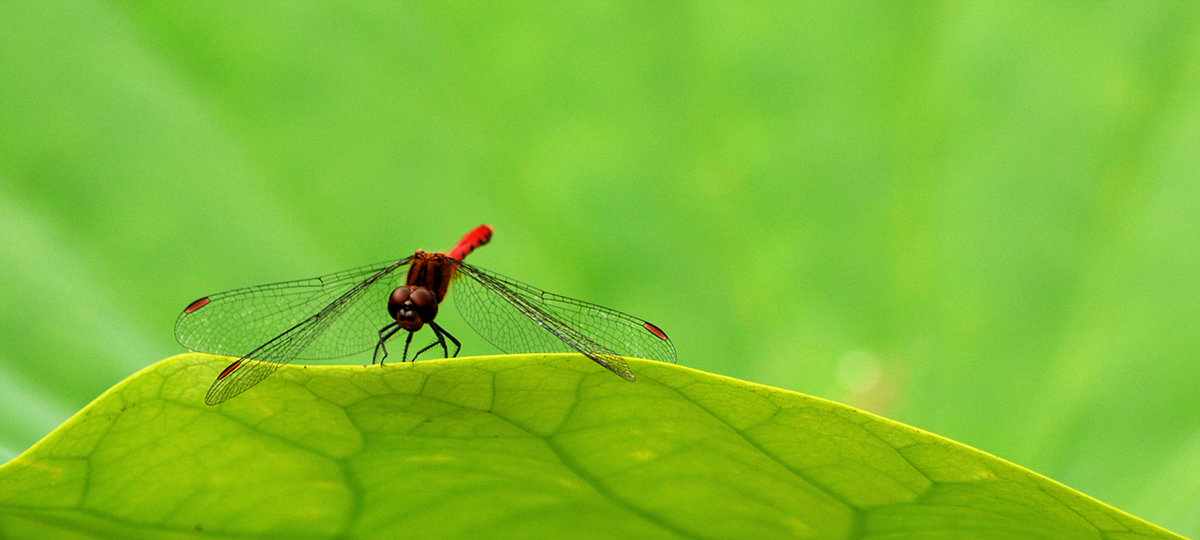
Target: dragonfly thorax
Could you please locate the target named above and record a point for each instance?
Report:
(412, 307)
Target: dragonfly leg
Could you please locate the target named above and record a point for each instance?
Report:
(430, 346)
(385, 333)
(406, 344)
(442, 331)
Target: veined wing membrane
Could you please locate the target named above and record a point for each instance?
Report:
(547, 322)
(337, 324)
(237, 322)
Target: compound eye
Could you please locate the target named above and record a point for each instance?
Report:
(426, 303)
(397, 299)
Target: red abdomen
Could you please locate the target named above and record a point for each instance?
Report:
(477, 237)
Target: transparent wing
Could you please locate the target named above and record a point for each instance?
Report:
(516, 317)
(345, 321)
(234, 323)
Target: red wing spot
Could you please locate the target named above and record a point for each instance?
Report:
(231, 367)
(657, 331)
(196, 305)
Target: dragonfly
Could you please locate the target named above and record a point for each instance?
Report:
(353, 311)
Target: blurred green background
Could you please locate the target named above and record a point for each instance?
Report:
(980, 219)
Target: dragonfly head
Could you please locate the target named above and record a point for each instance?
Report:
(412, 307)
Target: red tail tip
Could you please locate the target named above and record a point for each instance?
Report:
(477, 237)
(483, 233)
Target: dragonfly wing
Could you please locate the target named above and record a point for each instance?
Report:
(234, 323)
(249, 370)
(516, 317)
(339, 323)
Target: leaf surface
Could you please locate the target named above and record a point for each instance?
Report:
(509, 446)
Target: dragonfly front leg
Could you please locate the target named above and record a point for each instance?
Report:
(385, 333)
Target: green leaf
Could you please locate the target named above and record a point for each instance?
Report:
(515, 446)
